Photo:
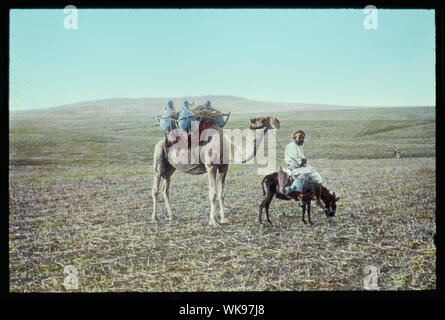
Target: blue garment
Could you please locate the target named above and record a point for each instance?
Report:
(304, 183)
(220, 121)
(165, 121)
(185, 118)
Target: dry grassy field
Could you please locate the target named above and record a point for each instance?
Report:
(80, 194)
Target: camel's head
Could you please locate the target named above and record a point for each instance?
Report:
(264, 122)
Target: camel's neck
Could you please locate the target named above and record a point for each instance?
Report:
(254, 139)
(257, 136)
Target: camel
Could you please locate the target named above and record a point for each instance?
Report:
(164, 169)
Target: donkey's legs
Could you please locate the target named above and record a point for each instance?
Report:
(221, 180)
(260, 210)
(267, 211)
(211, 173)
(265, 204)
(309, 210)
(303, 206)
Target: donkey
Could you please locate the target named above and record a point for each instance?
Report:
(273, 189)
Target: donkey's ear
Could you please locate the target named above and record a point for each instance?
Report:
(337, 199)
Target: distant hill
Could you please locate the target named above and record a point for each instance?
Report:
(141, 107)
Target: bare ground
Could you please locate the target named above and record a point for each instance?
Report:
(98, 220)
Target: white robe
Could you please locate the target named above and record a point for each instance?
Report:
(293, 155)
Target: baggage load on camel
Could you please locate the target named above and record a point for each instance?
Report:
(167, 119)
(171, 119)
(185, 119)
(210, 113)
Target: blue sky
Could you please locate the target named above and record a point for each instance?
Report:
(321, 56)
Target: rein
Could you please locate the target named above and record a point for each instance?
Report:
(254, 141)
(260, 127)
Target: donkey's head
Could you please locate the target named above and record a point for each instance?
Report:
(330, 205)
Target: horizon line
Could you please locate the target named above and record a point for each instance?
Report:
(215, 95)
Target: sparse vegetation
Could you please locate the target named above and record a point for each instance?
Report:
(80, 194)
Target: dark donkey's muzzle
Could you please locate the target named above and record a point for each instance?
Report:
(330, 213)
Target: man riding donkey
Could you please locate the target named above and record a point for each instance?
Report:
(298, 166)
(306, 183)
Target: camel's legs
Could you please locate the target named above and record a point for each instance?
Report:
(211, 172)
(162, 171)
(154, 193)
(221, 180)
(166, 198)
